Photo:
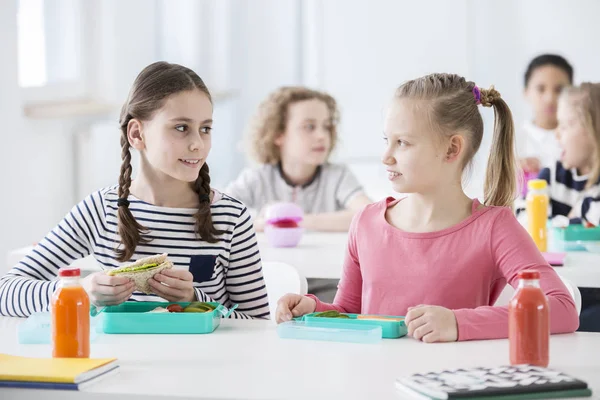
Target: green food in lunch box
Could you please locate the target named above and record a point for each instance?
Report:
(199, 307)
(331, 314)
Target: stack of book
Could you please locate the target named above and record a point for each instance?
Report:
(54, 373)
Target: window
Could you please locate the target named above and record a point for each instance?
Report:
(50, 49)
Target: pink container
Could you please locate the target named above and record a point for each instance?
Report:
(281, 225)
(526, 177)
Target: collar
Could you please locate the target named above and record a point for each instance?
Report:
(291, 184)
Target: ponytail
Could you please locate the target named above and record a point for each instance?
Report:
(500, 187)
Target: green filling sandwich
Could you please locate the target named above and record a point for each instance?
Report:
(142, 270)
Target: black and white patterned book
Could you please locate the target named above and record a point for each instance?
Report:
(491, 382)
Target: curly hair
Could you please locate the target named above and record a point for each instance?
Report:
(272, 116)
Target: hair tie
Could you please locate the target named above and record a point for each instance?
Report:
(477, 95)
(122, 202)
(204, 198)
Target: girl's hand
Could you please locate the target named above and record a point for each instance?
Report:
(259, 225)
(431, 324)
(530, 164)
(294, 305)
(105, 290)
(174, 285)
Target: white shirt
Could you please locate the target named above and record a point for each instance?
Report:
(540, 143)
(331, 189)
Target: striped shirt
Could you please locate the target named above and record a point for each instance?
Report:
(229, 271)
(567, 192)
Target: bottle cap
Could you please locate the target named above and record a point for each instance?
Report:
(67, 272)
(527, 274)
(537, 184)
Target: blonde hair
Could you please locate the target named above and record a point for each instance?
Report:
(272, 117)
(585, 98)
(452, 108)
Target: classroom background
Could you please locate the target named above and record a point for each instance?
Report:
(67, 66)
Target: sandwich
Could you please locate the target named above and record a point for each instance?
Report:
(142, 270)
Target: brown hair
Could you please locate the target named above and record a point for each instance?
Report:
(149, 92)
(452, 108)
(586, 100)
(272, 116)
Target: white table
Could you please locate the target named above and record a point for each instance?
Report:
(318, 255)
(321, 255)
(247, 360)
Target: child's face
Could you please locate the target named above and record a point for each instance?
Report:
(414, 154)
(177, 139)
(543, 89)
(576, 141)
(307, 137)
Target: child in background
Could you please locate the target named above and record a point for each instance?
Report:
(545, 77)
(574, 181)
(168, 208)
(437, 256)
(292, 137)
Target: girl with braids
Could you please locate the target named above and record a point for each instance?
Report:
(169, 207)
(435, 255)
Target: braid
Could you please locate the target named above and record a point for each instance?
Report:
(204, 224)
(130, 230)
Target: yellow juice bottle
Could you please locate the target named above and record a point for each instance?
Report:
(537, 212)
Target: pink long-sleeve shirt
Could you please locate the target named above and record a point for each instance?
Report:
(463, 268)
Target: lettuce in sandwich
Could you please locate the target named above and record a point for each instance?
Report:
(142, 270)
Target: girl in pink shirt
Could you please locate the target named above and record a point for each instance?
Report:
(437, 256)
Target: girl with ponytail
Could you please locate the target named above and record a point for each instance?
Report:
(435, 255)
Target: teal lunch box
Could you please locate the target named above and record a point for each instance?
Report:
(134, 318)
(390, 329)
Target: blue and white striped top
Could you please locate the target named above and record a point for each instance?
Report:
(567, 191)
(228, 271)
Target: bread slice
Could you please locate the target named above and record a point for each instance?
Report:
(141, 277)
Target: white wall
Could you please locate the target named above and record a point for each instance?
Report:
(264, 54)
(36, 157)
(359, 52)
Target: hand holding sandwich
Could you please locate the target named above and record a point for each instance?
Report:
(179, 285)
(105, 290)
(154, 274)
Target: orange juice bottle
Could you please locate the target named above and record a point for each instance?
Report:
(537, 212)
(70, 309)
(529, 322)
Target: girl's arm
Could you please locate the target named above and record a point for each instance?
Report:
(348, 298)
(28, 286)
(590, 210)
(244, 280)
(513, 251)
